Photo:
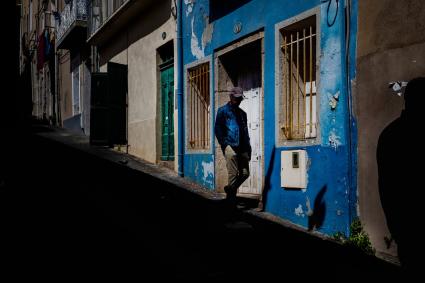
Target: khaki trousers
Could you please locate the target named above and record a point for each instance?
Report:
(237, 168)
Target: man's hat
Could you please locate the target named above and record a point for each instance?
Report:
(236, 92)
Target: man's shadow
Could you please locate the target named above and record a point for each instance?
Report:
(267, 183)
(400, 171)
(315, 220)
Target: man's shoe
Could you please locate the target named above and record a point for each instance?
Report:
(230, 195)
(227, 190)
(230, 192)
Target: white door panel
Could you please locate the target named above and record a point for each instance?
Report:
(251, 105)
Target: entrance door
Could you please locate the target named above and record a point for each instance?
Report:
(251, 105)
(99, 113)
(108, 109)
(233, 69)
(167, 111)
(117, 101)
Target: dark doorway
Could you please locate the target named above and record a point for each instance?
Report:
(109, 106)
(240, 65)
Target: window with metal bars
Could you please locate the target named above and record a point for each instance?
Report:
(298, 101)
(198, 107)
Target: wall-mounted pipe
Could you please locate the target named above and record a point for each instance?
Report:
(179, 94)
(351, 136)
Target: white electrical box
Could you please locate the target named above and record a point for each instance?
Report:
(293, 169)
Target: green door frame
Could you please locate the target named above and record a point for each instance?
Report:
(167, 110)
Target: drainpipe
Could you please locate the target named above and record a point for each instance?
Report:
(351, 150)
(180, 89)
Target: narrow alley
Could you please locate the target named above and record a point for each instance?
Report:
(107, 220)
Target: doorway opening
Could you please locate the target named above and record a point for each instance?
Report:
(108, 111)
(166, 98)
(241, 64)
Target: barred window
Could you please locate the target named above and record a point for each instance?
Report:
(298, 99)
(198, 107)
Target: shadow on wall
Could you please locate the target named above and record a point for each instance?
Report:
(267, 182)
(219, 8)
(319, 211)
(400, 175)
(144, 24)
(315, 220)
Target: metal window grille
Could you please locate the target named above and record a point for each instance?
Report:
(198, 105)
(299, 79)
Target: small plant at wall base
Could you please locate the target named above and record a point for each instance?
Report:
(358, 238)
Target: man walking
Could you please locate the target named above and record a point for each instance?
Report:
(231, 131)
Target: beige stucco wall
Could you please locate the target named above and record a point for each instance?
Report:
(143, 82)
(390, 47)
(389, 24)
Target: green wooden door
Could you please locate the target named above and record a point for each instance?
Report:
(167, 110)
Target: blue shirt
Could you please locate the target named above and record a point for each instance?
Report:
(231, 128)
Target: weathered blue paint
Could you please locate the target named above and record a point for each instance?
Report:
(200, 168)
(179, 91)
(352, 43)
(331, 175)
(323, 174)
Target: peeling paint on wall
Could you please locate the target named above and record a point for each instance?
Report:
(208, 32)
(208, 169)
(308, 205)
(196, 168)
(199, 51)
(398, 87)
(299, 211)
(189, 4)
(334, 140)
(200, 168)
(333, 101)
(194, 44)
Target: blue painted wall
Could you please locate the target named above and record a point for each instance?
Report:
(200, 168)
(331, 177)
(351, 67)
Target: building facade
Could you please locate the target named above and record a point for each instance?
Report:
(149, 77)
(74, 65)
(292, 60)
(391, 47)
(37, 57)
(136, 49)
